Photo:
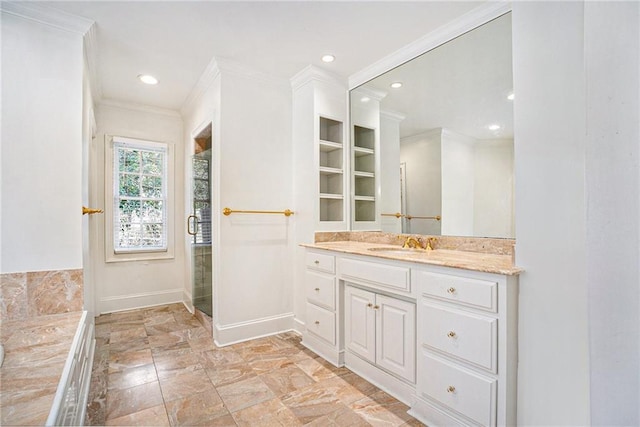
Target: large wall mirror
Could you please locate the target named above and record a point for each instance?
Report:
(443, 140)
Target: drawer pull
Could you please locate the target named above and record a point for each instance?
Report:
(376, 307)
(452, 334)
(317, 289)
(451, 290)
(369, 305)
(316, 262)
(317, 322)
(451, 389)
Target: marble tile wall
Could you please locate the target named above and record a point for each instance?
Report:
(40, 293)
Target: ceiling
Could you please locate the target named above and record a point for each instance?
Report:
(176, 40)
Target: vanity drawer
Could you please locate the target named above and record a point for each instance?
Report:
(321, 262)
(321, 322)
(466, 392)
(388, 276)
(321, 289)
(462, 290)
(466, 336)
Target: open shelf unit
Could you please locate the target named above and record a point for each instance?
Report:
(364, 174)
(331, 169)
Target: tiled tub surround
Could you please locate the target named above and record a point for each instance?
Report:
(40, 293)
(478, 254)
(159, 366)
(36, 350)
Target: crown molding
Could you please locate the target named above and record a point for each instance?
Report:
(312, 73)
(375, 94)
(392, 115)
(208, 76)
(467, 22)
(228, 66)
(47, 15)
(91, 59)
(139, 108)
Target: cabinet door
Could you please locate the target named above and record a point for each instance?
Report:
(360, 322)
(396, 336)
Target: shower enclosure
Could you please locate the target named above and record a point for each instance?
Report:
(199, 224)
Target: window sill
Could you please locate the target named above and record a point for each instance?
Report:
(140, 256)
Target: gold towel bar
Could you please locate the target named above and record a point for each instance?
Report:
(229, 211)
(399, 215)
(86, 210)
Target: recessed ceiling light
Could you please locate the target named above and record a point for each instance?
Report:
(511, 96)
(365, 99)
(328, 58)
(494, 127)
(396, 85)
(147, 79)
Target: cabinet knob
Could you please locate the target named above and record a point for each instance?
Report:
(451, 290)
(317, 322)
(451, 389)
(451, 334)
(316, 262)
(375, 307)
(317, 289)
(369, 305)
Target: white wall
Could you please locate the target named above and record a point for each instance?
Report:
(129, 284)
(612, 49)
(253, 293)
(493, 188)
(41, 147)
(549, 117)
(457, 155)
(421, 155)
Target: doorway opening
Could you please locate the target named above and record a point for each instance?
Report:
(199, 224)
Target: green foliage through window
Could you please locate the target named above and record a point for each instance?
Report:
(140, 180)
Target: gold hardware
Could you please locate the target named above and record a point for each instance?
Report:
(376, 307)
(317, 289)
(410, 217)
(451, 389)
(412, 242)
(369, 305)
(317, 322)
(430, 242)
(316, 262)
(397, 215)
(451, 334)
(451, 290)
(189, 225)
(229, 211)
(90, 211)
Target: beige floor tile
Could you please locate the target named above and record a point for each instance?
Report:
(227, 374)
(312, 402)
(176, 362)
(242, 394)
(314, 369)
(378, 410)
(120, 361)
(134, 399)
(131, 377)
(154, 416)
(185, 385)
(198, 409)
(286, 380)
(127, 334)
(266, 414)
(219, 357)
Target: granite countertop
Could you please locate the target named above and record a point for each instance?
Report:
(36, 350)
(485, 262)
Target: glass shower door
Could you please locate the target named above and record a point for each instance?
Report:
(199, 229)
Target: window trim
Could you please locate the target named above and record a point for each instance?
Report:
(135, 254)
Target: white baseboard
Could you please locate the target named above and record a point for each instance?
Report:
(134, 301)
(238, 332)
(299, 326)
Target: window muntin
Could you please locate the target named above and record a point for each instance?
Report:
(139, 196)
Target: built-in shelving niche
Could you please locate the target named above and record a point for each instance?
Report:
(331, 169)
(364, 179)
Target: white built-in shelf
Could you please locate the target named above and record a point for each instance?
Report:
(364, 174)
(365, 198)
(330, 169)
(359, 152)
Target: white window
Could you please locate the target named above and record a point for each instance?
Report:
(140, 202)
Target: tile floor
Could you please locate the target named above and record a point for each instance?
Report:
(160, 367)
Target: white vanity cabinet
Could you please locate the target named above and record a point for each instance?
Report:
(323, 301)
(467, 347)
(381, 329)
